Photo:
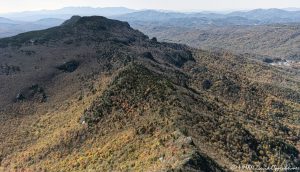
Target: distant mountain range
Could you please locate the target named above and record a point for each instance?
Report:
(253, 17)
(262, 16)
(15, 23)
(66, 13)
(270, 15)
(10, 27)
(6, 21)
(184, 20)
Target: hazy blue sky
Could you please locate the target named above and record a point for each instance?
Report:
(24, 5)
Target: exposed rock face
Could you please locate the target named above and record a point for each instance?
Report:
(69, 66)
(34, 92)
(268, 60)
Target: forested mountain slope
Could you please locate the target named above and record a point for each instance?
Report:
(95, 94)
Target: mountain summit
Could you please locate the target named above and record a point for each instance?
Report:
(87, 28)
(95, 94)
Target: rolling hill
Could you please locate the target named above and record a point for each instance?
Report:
(95, 94)
(272, 41)
(264, 33)
(12, 27)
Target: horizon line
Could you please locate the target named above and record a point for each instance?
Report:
(156, 9)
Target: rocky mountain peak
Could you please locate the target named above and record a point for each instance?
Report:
(95, 23)
(92, 28)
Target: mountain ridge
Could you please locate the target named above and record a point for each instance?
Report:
(29, 20)
(96, 94)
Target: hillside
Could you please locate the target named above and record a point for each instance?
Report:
(11, 27)
(273, 41)
(95, 94)
(264, 33)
